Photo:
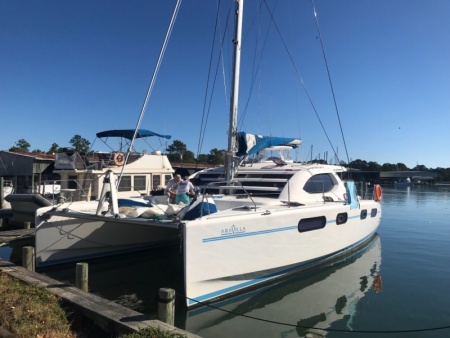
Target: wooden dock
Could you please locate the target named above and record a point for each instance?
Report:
(8, 236)
(111, 317)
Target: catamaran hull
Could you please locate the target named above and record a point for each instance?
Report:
(318, 299)
(61, 238)
(227, 253)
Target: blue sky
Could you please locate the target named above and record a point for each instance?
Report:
(80, 67)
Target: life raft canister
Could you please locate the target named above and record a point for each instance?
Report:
(377, 193)
(119, 159)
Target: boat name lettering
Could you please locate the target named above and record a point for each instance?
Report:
(232, 230)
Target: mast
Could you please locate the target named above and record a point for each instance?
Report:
(230, 163)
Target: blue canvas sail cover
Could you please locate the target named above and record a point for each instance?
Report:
(352, 198)
(128, 133)
(249, 144)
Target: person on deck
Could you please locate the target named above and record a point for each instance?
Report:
(185, 189)
(171, 188)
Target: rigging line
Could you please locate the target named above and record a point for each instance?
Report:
(445, 327)
(204, 120)
(329, 77)
(255, 72)
(152, 83)
(215, 77)
(300, 79)
(219, 61)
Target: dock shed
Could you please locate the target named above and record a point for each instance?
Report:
(27, 171)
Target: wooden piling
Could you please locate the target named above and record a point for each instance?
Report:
(82, 276)
(28, 258)
(27, 225)
(166, 306)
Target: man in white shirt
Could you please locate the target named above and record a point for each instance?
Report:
(171, 188)
(185, 188)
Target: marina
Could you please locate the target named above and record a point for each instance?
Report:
(264, 245)
(304, 214)
(414, 250)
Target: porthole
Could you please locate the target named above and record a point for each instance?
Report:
(313, 223)
(373, 212)
(341, 218)
(363, 214)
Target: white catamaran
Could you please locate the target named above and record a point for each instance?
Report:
(229, 243)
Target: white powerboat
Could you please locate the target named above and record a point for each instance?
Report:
(142, 173)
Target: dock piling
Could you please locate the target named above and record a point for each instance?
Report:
(82, 276)
(28, 258)
(166, 306)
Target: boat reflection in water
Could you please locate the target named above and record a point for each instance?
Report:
(315, 299)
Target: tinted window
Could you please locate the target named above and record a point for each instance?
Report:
(139, 183)
(373, 212)
(363, 214)
(125, 183)
(156, 182)
(166, 179)
(319, 183)
(341, 218)
(314, 223)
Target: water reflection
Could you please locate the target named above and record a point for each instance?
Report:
(316, 299)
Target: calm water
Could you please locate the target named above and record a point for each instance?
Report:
(400, 281)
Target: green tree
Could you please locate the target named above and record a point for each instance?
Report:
(420, 167)
(189, 157)
(80, 144)
(176, 151)
(215, 156)
(202, 158)
(374, 166)
(359, 164)
(21, 145)
(53, 149)
(389, 167)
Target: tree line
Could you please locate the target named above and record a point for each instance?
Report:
(178, 152)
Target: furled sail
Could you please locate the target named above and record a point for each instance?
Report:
(249, 144)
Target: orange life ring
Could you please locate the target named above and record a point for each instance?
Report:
(119, 159)
(377, 193)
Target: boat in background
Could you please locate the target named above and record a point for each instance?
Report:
(404, 182)
(265, 165)
(8, 188)
(143, 174)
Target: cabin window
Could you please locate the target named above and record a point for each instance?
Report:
(319, 184)
(373, 212)
(139, 183)
(363, 214)
(156, 182)
(313, 223)
(341, 218)
(125, 183)
(167, 178)
(72, 184)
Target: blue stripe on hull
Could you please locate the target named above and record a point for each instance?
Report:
(254, 233)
